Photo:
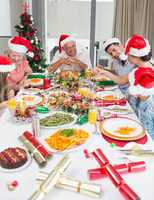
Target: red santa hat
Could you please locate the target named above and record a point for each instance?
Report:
(6, 65)
(20, 45)
(63, 39)
(137, 46)
(110, 41)
(142, 81)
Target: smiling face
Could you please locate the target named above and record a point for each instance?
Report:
(70, 48)
(114, 51)
(133, 59)
(17, 58)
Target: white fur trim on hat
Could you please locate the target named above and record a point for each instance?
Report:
(7, 68)
(68, 39)
(139, 90)
(110, 41)
(140, 52)
(17, 48)
(123, 57)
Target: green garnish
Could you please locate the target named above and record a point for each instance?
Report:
(67, 132)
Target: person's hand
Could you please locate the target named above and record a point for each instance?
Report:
(11, 94)
(66, 61)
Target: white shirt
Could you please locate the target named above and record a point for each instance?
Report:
(82, 55)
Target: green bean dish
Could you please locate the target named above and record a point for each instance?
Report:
(56, 119)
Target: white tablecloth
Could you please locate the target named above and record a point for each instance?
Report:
(142, 182)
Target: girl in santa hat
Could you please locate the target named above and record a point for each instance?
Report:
(6, 66)
(18, 47)
(142, 87)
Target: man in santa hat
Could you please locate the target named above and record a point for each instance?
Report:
(71, 56)
(6, 66)
(142, 87)
(18, 48)
(120, 65)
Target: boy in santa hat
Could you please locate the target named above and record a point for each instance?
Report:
(18, 48)
(6, 66)
(71, 56)
(142, 87)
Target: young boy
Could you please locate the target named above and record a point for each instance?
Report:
(142, 87)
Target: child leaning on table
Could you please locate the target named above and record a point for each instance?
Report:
(5, 93)
(142, 87)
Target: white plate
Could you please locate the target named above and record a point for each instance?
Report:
(28, 162)
(40, 82)
(103, 94)
(120, 110)
(110, 88)
(111, 127)
(52, 150)
(37, 99)
(60, 126)
(32, 91)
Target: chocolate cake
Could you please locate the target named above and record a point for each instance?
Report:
(12, 158)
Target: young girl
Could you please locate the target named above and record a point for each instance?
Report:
(18, 47)
(6, 93)
(142, 87)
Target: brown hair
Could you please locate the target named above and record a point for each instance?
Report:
(3, 87)
(147, 57)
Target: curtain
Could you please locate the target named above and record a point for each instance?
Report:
(134, 16)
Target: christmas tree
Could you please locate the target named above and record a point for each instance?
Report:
(27, 30)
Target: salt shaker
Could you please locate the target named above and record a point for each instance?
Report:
(36, 125)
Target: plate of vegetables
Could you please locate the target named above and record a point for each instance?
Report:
(68, 139)
(58, 119)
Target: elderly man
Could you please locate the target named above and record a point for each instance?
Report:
(70, 57)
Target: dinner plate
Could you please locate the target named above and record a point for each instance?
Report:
(28, 162)
(75, 117)
(120, 110)
(108, 95)
(67, 148)
(30, 100)
(122, 128)
(36, 82)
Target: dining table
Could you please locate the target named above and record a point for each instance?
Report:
(26, 177)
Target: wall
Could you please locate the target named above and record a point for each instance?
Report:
(74, 17)
(15, 11)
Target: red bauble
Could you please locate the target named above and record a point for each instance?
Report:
(36, 58)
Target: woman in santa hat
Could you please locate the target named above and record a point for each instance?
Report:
(142, 87)
(18, 48)
(71, 56)
(6, 66)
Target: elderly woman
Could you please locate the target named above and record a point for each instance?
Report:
(6, 66)
(18, 47)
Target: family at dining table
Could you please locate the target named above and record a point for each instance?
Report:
(131, 70)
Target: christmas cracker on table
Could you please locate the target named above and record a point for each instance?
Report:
(123, 168)
(51, 179)
(93, 190)
(40, 159)
(114, 176)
